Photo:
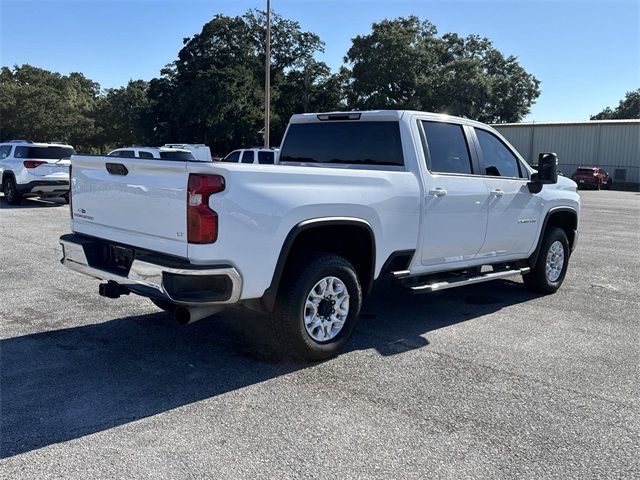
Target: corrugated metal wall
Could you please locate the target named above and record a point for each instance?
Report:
(614, 146)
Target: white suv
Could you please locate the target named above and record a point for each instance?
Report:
(163, 153)
(31, 169)
(253, 155)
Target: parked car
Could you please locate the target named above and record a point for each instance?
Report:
(259, 155)
(431, 201)
(592, 177)
(162, 153)
(30, 169)
(200, 152)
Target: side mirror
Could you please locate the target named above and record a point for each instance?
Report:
(547, 172)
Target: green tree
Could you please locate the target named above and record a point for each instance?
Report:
(214, 92)
(629, 107)
(42, 105)
(122, 116)
(403, 63)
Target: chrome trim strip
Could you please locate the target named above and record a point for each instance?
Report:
(401, 274)
(431, 287)
(147, 274)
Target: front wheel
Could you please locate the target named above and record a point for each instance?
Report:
(317, 307)
(547, 275)
(11, 193)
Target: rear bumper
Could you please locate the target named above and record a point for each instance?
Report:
(44, 187)
(586, 182)
(155, 276)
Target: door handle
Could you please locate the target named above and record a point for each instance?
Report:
(438, 192)
(497, 192)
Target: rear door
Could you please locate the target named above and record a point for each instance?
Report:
(456, 203)
(514, 212)
(138, 202)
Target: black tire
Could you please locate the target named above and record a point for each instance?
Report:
(164, 305)
(288, 315)
(537, 279)
(11, 194)
(65, 197)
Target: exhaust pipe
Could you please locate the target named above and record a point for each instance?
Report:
(112, 289)
(186, 315)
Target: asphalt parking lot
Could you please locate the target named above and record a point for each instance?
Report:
(488, 381)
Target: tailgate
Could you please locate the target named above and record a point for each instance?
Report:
(52, 170)
(133, 201)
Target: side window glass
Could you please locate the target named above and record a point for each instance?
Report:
(127, 153)
(265, 157)
(448, 151)
(497, 158)
(143, 154)
(20, 152)
(247, 156)
(5, 151)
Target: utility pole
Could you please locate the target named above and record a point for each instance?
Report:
(267, 77)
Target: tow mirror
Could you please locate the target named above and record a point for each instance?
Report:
(547, 172)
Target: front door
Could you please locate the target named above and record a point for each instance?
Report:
(514, 212)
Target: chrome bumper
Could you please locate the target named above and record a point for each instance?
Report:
(144, 276)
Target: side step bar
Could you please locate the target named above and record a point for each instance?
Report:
(459, 282)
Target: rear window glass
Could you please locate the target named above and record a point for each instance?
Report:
(586, 170)
(44, 152)
(359, 143)
(233, 157)
(176, 156)
(266, 157)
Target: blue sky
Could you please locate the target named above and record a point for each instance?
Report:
(586, 53)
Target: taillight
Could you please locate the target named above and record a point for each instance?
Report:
(32, 163)
(202, 222)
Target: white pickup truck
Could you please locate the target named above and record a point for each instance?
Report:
(432, 201)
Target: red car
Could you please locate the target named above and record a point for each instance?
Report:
(593, 177)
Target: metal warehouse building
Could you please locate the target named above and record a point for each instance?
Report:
(611, 144)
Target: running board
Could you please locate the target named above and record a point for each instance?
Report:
(485, 277)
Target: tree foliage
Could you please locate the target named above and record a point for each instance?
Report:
(404, 64)
(213, 93)
(36, 103)
(628, 108)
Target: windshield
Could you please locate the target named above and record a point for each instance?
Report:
(48, 153)
(176, 156)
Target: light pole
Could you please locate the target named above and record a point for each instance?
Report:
(267, 77)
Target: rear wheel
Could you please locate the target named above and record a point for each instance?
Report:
(317, 307)
(548, 273)
(11, 193)
(65, 197)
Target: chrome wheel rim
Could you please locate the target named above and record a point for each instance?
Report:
(326, 309)
(555, 261)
